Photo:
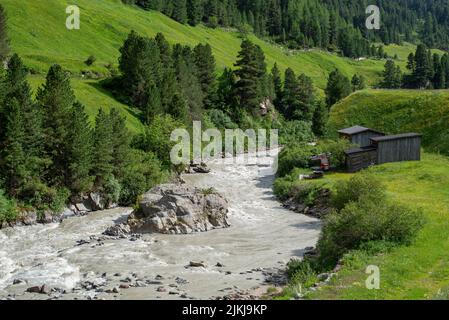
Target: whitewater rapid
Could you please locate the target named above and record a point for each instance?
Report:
(262, 236)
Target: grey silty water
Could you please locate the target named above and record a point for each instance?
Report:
(262, 235)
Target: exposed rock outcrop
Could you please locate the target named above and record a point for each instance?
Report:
(179, 209)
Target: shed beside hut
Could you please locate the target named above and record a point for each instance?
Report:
(359, 135)
(360, 158)
(396, 148)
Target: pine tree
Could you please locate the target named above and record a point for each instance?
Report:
(56, 99)
(338, 87)
(4, 40)
(411, 62)
(180, 11)
(306, 97)
(274, 22)
(103, 149)
(178, 108)
(421, 72)
(14, 167)
(248, 72)
(194, 12)
(205, 65)
(79, 151)
(439, 74)
(277, 84)
(290, 95)
(120, 142)
(358, 82)
(319, 121)
(19, 89)
(153, 104)
(391, 76)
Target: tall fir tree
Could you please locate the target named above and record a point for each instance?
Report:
(248, 73)
(194, 12)
(120, 143)
(205, 65)
(338, 87)
(306, 95)
(290, 95)
(180, 11)
(421, 72)
(79, 151)
(103, 149)
(56, 99)
(391, 76)
(277, 84)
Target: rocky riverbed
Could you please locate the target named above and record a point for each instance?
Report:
(74, 259)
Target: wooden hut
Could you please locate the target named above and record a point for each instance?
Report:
(360, 158)
(396, 148)
(360, 136)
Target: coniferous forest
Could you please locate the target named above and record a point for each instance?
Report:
(329, 24)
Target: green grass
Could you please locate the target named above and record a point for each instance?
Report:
(39, 35)
(93, 97)
(396, 111)
(418, 271)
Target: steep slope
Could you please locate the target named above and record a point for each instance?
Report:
(38, 32)
(395, 111)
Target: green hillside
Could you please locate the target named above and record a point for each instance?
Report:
(395, 111)
(39, 35)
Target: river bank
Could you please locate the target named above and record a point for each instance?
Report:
(75, 261)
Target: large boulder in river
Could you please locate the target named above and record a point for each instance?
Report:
(179, 209)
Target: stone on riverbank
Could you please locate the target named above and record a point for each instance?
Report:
(179, 209)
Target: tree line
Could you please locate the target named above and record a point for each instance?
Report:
(328, 24)
(426, 70)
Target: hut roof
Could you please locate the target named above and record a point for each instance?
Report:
(396, 137)
(356, 130)
(359, 150)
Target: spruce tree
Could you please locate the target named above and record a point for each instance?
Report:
(194, 12)
(4, 40)
(421, 72)
(290, 95)
(79, 151)
(306, 97)
(153, 104)
(56, 99)
(319, 121)
(391, 76)
(103, 149)
(120, 143)
(248, 73)
(277, 84)
(411, 62)
(338, 87)
(180, 11)
(205, 65)
(14, 166)
(178, 108)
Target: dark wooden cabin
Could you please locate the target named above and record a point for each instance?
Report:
(360, 158)
(360, 136)
(396, 148)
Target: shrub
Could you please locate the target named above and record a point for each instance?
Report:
(8, 211)
(221, 120)
(90, 60)
(364, 221)
(143, 173)
(294, 132)
(295, 156)
(301, 272)
(337, 149)
(156, 138)
(359, 186)
(110, 190)
(42, 197)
